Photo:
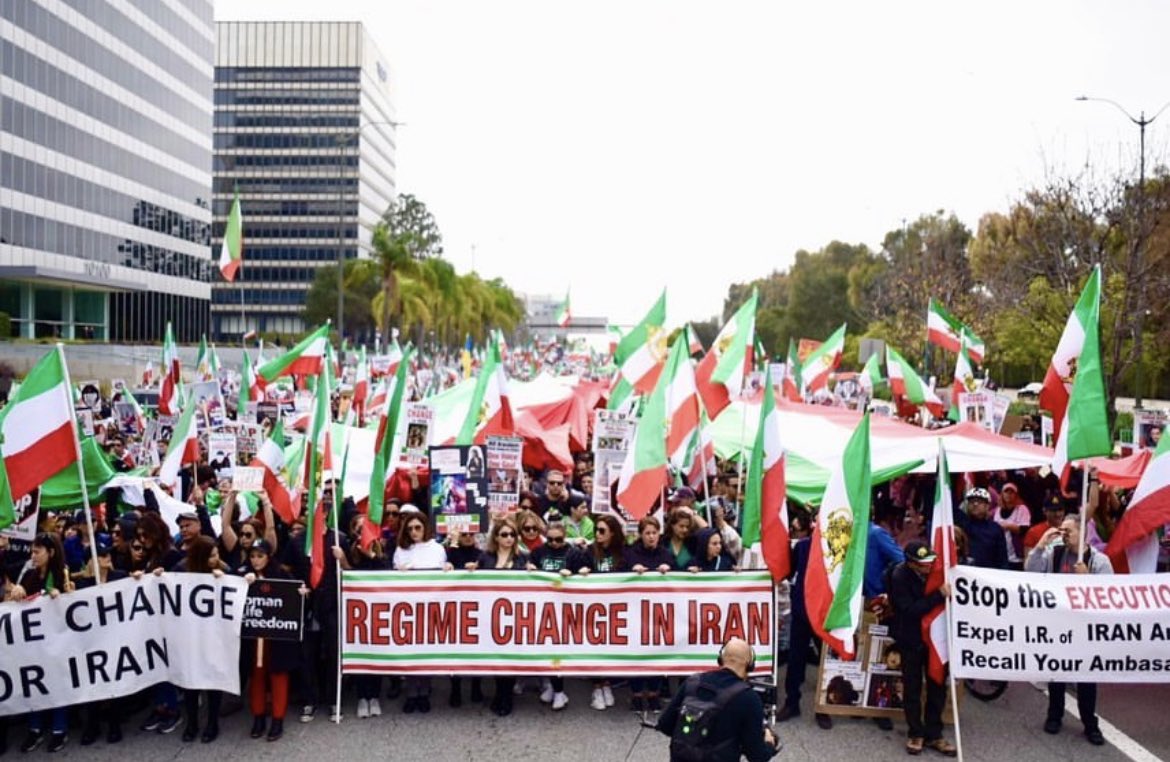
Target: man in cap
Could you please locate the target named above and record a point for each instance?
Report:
(985, 538)
(1014, 517)
(910, 602)
(1053, 517)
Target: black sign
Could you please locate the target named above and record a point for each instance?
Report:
(274, 609)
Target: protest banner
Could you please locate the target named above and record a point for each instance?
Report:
(419, 418)
(509, 623)
(978, 407)
(504, 469)
(249, 438)
(612, 433)
(119, 638)
(459, 488)
(1072, 628)
(26, 510)
(274, 609)
(221, 453)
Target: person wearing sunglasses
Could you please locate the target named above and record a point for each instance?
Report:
(556, 494)
(605, 555)
(531, 529)
(236, 539)
(463, 552)
(366, 557)
(417, 551)
(503, 552)
(552, 556)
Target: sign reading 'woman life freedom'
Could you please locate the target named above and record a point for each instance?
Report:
(1060, 627)
(508, 622)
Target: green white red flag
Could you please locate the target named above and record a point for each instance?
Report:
(640, 355)
(203, 361)
(765, 508)
(285, 501)
(694, 346)
(700, 460)
(318, 466)
(490, 408)
(721, 371)
(792, 375)
(564, 313)
(1136, 536)
(385, 448)
(682, 404)
(361, 386)
(38, 436)
(945, 330)
(907, 384)
(231, 253)
(963, 383)
(836, 563)
(644, 475)
(1075, 378)
(170, 391)
(822, 361)
(249, 390)
(307, 358)
(871, 375)
(934, 624)
(182, 450)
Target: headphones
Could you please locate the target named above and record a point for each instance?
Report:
(751, 665)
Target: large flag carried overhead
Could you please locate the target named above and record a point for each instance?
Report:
(934, 624)
(203, 361)
(231, 254)
(765, 508)
(1136, 537)
(490, 407)
(37, 432)
(945, 330)
(836, 562)
(307, 358)
(906, 383)
(822, 361)
(639, 355)
(171, 386)
(644, 474)
(721, 371)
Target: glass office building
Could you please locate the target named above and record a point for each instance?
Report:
(304, 133)
(105, 167)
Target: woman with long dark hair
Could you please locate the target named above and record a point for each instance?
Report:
(369, 558)
(503, 552)
(605, 555)
(202, 558)
(417, 551)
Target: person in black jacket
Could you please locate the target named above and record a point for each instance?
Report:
(988, 548)
(911, 603)
(648, 553)
(737, 727)
(503, 552)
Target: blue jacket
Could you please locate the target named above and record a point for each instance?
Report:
(882, 551)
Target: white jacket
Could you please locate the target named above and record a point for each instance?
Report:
(421, 555)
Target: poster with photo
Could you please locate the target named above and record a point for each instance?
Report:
(208, 402)
(419, 420)
(978, 407)
(127, 418)
(26, 511)
(267, 414)
(1148, 427)
(612, 433)
(1047, 435)
(1001, 403)
(221, 453)
(505, 457)
(85, 419)
(249, 437)
(459, 500)
(89, 395)
(248, 414)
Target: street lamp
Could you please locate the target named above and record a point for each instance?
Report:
(343, 140)
(1142, 122)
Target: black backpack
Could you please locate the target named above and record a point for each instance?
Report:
(691, 740)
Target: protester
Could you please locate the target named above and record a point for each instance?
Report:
(503, 552)
(368, 558)
(202, 558)
(988, 548)
(531, 529)
(417, 551)
(1053, 518)
(463, 554)
(680, 542)
(647, 553)
(605, 555)
(1014, 517)
(711, 557)
(1056, 553)
(579, 525)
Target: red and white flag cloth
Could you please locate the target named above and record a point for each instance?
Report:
(821, 362)
(305, 359)
(183, 449)
(1136, 536)
(171, 387)
(285, 502)
(682, 408)
(934, 624)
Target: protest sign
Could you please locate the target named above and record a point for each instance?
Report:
(208, 401)
(1060, 627)
(120, 638)
(248, 479)
(1148, 426)
(419, 418)
(89, 395)
(127, 418)
(459, 488)
(504, 467)
(1047, 432)
(1000, 405)
(977, 407)
(612, 434)
(508, 623)
(85, 419)
(274, 609)
(221, 453)
(26, 510)
(249, 437)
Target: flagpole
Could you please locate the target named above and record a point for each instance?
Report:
(81, 473)
(1084, 505)
(337, 498)
(946, 549)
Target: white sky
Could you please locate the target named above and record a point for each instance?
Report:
(623, 146)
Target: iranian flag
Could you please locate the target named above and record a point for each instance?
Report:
(249, 389)
(639, 356)
(682, 404)
(720, 373)
(694, 346)
(765, 510)
(182, 450)
(231, 253)
(490, 407)
(1085, 429)
(384, 453)
(700, 460)
(1136, 537)
(792, 375)
(139, 415)
(945, 330)
(305, 359)
(836, 563)
(906, 383)
(171, 385)
(1065, 364)
(822, 361)
(644, 474)
(871, 374)
(38, 435)
(271, 459)
(963, 383)
(318, 464)
(203, 361)
(934, 624)
(361, 386)
(564, 315)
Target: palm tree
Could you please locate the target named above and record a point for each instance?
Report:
(394, 258)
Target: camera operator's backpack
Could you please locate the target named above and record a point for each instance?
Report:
(690, 741)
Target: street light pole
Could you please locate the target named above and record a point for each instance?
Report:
(1142, 122)
(343, 140)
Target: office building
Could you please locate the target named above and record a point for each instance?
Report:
(304, 132)
(105, 167)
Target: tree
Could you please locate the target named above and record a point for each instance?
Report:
(406, 236)
(361, 285)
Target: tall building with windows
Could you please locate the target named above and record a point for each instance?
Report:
(304, 132)
(105, 167)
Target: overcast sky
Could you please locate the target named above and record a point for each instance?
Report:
(622, 146)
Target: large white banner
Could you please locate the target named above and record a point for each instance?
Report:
(1060, 627)
(513, 622)
(119, 638)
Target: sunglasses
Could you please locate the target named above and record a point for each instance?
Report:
(413, 527)
(136, 547)
(601, 530)
(248, 535)
(393, 514)
(556, 484)
(529, 529)
(502, 535)
(556, 540)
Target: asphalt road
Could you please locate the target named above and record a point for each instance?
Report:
(1006, 729)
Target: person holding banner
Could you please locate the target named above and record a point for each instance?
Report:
(503, 552)
(463, 553)
(369, 558)
(202, 558)
(417, 551)
(911, 604)
(1056, 554)
(603, 556)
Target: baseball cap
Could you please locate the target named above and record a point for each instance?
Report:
(919, 553)
(1054, 503)
(682, 493)
(1011, 486)
(188, 516)
(260, 545)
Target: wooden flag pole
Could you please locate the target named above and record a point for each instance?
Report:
(81, 473)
